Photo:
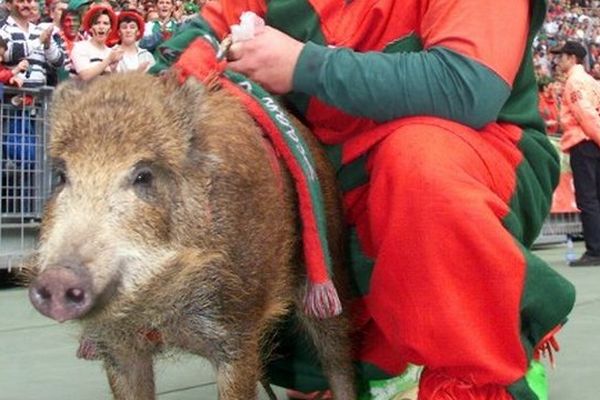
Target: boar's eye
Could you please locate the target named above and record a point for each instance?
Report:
(144, 180)
(60, 177)
(143, 177)
(59, 173)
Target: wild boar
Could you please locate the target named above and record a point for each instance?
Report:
(173, 228)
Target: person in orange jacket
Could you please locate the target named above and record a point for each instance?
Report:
(580, 120)
(428, 110)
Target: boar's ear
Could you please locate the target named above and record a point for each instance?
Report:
(67, 91)
(187, 97)
(185, 101)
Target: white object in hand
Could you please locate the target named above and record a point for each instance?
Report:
(250, 25)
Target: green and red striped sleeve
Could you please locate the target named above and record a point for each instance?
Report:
(471, 55)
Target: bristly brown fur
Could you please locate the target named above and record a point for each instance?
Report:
(26, 271)
(212, 82)
(207, 253)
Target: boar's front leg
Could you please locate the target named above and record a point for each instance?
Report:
(130, 375)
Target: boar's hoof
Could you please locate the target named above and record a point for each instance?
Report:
(61, 294)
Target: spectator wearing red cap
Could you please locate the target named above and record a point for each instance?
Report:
(93, 57)
(130, 30)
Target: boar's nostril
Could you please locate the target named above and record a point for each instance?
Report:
(44, 293)
(75, 295)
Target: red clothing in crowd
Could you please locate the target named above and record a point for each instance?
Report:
(548, 107)
(5, 74)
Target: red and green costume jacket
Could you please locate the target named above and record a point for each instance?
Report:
(370, 64)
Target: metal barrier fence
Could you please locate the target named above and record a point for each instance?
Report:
(558, 226)
(24, 169)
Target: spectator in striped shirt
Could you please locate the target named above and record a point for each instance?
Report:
(28, 41)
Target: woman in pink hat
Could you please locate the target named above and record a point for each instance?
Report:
(130, 25)
(93, 57)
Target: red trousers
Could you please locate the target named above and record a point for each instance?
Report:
(448, 282)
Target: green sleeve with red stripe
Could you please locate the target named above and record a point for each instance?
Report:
(471, 56)
(383, 87)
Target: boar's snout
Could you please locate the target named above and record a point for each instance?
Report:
(62, 293)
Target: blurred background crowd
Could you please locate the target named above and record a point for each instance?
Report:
(86, 38)
(45, 41)
(567, 20)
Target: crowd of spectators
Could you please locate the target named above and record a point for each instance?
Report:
(44, 42)
(567, 20)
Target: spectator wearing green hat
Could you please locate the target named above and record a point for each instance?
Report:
(76, 5)
(190, 8)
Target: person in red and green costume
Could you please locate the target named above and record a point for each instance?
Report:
(428, 109)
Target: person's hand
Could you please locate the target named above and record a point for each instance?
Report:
(15, 81)
(22, 66)
(143, 66)
(46, 35)
(178, 13)
(115, 56)
(269, 59)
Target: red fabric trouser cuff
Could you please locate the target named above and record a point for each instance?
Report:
(436, 385)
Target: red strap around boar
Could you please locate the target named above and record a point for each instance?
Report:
(199, 61)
